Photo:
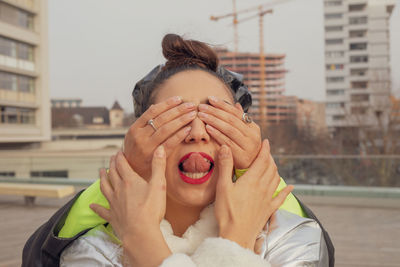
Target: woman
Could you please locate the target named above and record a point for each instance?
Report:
(172, 199)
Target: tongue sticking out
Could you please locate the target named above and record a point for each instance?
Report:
(196, 163)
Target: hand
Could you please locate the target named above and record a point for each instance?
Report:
(243, 208)
(224, 123)
(136, 209)
(141, 140)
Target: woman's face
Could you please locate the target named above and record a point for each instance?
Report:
(192, 171)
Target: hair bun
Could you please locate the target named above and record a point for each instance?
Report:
(180, 52)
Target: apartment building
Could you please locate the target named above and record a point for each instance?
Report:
(279, 108)
(24, 91)
(357, 62)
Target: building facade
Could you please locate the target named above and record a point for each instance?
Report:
(278, 107)
(357, 62)
(24, 91)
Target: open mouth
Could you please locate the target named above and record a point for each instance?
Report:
(196, 167)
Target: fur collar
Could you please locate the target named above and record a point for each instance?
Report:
(206, 226)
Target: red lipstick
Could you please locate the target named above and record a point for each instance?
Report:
(200, 180)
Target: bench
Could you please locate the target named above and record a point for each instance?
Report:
(31, 191)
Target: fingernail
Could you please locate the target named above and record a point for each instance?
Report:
(189, 105)
(187, 129)
(224, 152)
(203, 107)
(213, 98)
(202, 115)
(192, 114)
(176, 99)
(160, 152)
(209, 127)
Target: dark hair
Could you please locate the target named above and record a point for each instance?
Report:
(182, 55)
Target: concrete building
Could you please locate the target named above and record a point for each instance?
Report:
(311, 115)
(24, 91)
(279, 108)
(357, 62)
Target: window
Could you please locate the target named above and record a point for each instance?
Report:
(359, 85)
(335, 105)
(58, 174)
(358, 110)
(358, 20)
(358, 72)
(358, 33)
(359, 98)
(16, 115)
(335, 79)
(16, 16)
(7, 174)
(357, 59)
(15, 82)
(333, 3)
(15, 49)
(334, 41)
(357, 7)
(335, 92)
(334, 66)
(334, 54)
(333, 15)
(338, 117)
(358, 46)
(333, 28)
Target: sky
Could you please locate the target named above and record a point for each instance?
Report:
(99, 49)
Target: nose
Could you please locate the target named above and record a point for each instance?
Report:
(198, 132)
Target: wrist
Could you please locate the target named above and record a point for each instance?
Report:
(148, 248)
(238, 237)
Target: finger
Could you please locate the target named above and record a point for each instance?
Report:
(176, 139)
(101, 211)
(156, 109)
(158, 166)
(113, 176)
(273, 185)
(170, 115)
(229, 130)
(105, 186)
(223, 139)
(219, 103)
(281, 197)
(171, 127)
(229, 118)
(225, 167)
(239, 107)
(123, 169)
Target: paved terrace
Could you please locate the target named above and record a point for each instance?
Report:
(366, 232)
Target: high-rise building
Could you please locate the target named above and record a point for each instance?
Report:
(279, 108)
(24, 91)
(357, 62)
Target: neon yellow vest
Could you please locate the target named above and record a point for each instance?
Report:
(82, 217)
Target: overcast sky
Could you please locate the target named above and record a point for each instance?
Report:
(100, 48)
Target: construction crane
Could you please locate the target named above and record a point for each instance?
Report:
(261, 11)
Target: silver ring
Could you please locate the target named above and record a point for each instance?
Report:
(246, 118)
(151, 123)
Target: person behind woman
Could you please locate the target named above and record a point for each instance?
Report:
(171, 199)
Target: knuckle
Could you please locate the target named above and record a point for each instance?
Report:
(152, 110)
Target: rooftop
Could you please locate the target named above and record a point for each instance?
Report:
(363, 231)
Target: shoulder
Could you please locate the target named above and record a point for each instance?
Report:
(96, 247)
(295, 240)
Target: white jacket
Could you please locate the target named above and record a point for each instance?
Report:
(289, 241)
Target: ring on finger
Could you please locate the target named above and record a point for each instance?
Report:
(246, 118)
(151, 123)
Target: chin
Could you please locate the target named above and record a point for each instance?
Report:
(191, 195)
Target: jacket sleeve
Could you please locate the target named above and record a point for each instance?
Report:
(217, 252)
